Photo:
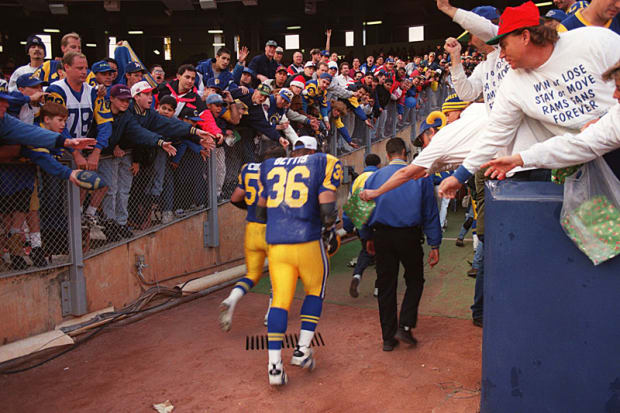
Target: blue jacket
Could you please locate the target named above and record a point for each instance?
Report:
(261, 65)
(226, 78)
(128, 133)
(15, 132)
(256, 116)
(411, 204)
(46, 161)
(170, 128)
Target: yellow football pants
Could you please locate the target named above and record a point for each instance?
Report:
(287, 262)
(255, 250)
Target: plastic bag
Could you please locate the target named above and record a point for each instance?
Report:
(358, 210)
(591, 211)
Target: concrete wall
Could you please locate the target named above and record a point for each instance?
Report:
(31, 304)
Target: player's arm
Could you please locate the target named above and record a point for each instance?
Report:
(261, 206)
(327, 191)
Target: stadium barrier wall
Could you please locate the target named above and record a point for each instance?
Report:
(550, 343)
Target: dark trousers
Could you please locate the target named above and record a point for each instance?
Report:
(364, 259)
(394, 246)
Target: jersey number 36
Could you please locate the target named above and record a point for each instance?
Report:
(288, 188)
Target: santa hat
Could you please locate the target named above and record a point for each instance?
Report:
(299, 81)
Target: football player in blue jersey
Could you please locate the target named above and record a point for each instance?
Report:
(297, 201)
(245, 197)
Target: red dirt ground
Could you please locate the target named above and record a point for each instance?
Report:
(182, 355)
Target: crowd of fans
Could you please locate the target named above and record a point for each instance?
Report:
(152, 132)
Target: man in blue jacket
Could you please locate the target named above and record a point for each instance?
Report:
(217, 68)
(397, 223)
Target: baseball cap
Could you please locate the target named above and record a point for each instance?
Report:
(271, 43)
(132, 67)
(578, 5)
(248, 70)
(332, 65)
(264, 89)
(556, 14)
(286, 94)
(279, 49)
(324, 53)
(326, 76)
(306, 142)
(389, 60)
(452, 103)
(140, 87)
(281, 68)
(101, 66)
(299, 81)
(28, 80)
(434, 119)
(214, 99)
(309, 63)
(34, 41)
(488, 12)
(120, 91)
(214, 83)
(514, 18)
(191, 115)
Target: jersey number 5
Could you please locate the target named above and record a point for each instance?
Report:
(251, 185)
(288, 188)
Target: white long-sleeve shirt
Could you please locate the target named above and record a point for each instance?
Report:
(451, 145)
(568, 150)
(560, 96)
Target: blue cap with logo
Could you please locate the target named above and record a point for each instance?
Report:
(132, 67)
(556, 14)
(101, 66)
(214, 83)
(324, 53)
(28, 80)
(389, 60)
(214, 99)
(249, 71)
(286, 94)
(326, 76)
(488, 12)
(191, 115)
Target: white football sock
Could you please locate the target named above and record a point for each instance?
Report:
(275, 356)
(305, 338)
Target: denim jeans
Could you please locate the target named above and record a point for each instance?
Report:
(465, 228)
(477, 306)
(116, 172)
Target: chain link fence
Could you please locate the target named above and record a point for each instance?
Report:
(34, 224)
(148, 190)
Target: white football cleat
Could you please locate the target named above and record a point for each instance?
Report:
(226, 313)
(277, 376)
(303, 357)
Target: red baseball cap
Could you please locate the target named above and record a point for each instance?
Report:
(514, 18)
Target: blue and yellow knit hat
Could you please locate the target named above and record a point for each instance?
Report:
(452, 103)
